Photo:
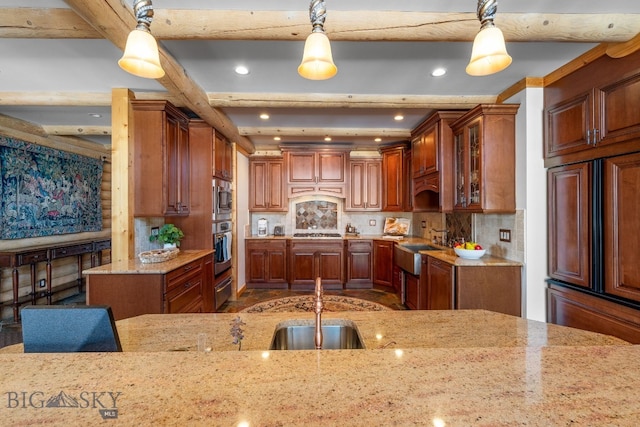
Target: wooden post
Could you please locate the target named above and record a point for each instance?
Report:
(122, 227)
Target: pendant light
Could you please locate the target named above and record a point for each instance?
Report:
(141, 57)
(317, 62)
(489, 54)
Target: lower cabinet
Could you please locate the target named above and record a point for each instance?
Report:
(266, 264)
(383, 265)
(318, 258)
(359, 264)
(181, 290)
(445, 286)
(412, 293)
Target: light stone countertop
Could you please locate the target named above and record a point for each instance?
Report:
(454, 368)
(136, 266)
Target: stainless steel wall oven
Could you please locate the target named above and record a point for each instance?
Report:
(222, 238)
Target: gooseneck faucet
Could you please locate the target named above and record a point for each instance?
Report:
(318, 309)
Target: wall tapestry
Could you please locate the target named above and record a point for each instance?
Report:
(45, 192)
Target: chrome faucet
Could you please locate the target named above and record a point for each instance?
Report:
(318, 309)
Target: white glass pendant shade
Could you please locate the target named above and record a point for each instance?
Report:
(489, 54)
(141, 56)
(317, 62)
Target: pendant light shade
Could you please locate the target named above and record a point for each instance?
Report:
(141, 57)
(489, 53)
(317, 62)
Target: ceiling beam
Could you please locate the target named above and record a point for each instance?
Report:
(77, 130)
(352, 25)
(619, 50)
(114, 20)
(324, 131)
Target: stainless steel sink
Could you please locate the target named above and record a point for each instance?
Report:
(342, 336)
(408, 258)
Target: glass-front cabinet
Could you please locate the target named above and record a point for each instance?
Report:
(484, 159)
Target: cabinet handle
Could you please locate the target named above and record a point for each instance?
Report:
(595, 136)
(186, 285)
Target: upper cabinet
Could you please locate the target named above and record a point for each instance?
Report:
(365, 185)
(484, 159)
(223, 158)
(267, 185)
(394, 178)
(161, 159)
(592, 112)
(432, 163)
(321, 171)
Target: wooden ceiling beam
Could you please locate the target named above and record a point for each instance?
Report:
(114, 20)
(361, 25)
(77, 130)
(322, 132)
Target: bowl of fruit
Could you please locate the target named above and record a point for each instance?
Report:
(469, 250)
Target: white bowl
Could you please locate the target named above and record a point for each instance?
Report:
(469, 253)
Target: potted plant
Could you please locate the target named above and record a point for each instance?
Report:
(169, 235)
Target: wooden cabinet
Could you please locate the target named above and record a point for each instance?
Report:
(267, 191)
(266, 263)
(383, 263)
(440, 286)
(312, 172)
(592, 111)
(432, 163)
(569, 194)
(412, 291)
(181, 290)
(484, 159)
(161, 159)
(223, 158)
(394, 178)
(197, 227)
(621, 226)
(318, 258)
(364, 191)
(359, 263)
(445, 286)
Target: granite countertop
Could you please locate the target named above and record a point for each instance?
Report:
(135, 266)
(455, 368)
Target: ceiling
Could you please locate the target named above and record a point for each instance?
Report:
(58, 62)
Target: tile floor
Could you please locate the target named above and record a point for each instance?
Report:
(11, 333)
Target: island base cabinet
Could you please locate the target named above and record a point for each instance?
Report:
(128, 295)
(310, 260)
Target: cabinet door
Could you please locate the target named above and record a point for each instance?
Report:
(392, 180)
(622, 226)
(619, 118)
(365, 190)
(267, 187)
(412, 291)
(569, 209)
(301, 168)
(383, 263)
(331, 167)
(567, 124)
(256, 265)
(277, 264)
(417, 153)
(468, 170)
(303, 270)
(359, 263)
(331, 266)
(223, 158)
(440, 285)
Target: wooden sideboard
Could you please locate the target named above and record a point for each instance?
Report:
(17, 258)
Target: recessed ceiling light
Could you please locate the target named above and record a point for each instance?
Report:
(264, 116)
(398, 117)
(95, 115)
(327, 138)
(276, 138)
(439, 72)
(378, 140)
(242, 70)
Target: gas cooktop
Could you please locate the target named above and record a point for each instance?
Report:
(317, 235)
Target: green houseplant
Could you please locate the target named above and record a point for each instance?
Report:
(168, 234)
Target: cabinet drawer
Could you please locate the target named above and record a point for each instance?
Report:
(71, 250)
(185, 298)
(184, 274)
(267, 245)
(30, 257)
(360, 246)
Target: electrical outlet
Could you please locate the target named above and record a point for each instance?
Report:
(43, 283)
(505, 235)
(372, 222)
(424, 224)
(155, 231)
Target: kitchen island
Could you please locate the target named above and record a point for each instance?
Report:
(436, 368)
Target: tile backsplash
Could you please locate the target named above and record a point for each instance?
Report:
(316, 215)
